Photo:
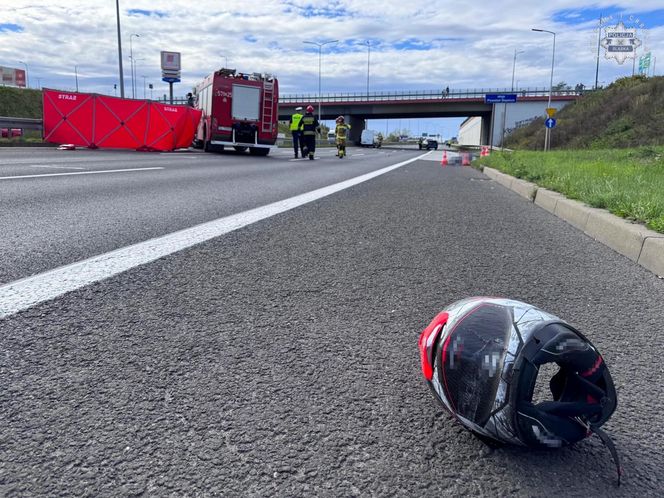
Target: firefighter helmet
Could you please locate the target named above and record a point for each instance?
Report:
(310, 108)
(340, 119)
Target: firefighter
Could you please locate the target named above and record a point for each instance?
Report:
(309, 126)
(293, 125)
(341, 134)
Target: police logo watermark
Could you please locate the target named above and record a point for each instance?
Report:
(621, 40)
(620, 43)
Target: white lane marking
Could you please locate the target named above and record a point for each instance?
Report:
(53, 167)
(78, 173)
(25, 293)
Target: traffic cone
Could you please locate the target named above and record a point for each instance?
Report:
(444, 162)
(485, 151)
(465, 160)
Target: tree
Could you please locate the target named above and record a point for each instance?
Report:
(561, 87)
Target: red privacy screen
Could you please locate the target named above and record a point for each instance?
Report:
(91, 120)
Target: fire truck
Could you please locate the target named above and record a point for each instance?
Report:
(239, 110)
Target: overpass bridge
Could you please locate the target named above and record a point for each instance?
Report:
(358, 107)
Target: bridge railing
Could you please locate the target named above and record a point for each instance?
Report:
(417, 95)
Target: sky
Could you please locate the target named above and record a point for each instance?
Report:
(414, 45)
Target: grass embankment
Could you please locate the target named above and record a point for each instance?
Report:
(627, 182)
(628, 113)
(20, 102)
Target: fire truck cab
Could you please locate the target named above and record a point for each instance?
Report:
(239, 110)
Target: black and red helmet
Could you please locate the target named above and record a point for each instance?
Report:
(481, 358)
(310, 109)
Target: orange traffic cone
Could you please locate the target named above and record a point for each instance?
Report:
(444, 162)
(484, 152)
(465, 160)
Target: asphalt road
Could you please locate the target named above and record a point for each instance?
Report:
(69, 214)
(281, 359)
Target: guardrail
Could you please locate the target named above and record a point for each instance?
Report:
(421, 95)
(24, 123)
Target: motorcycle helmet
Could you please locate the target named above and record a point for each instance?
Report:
(310, 108)
(481, 358)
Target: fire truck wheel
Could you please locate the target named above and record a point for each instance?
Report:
(258, 151)
(239, 148)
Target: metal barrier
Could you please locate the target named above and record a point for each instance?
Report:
(23, 123)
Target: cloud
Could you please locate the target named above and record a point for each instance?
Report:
(415, 45)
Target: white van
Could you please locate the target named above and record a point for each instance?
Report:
(369, 138)
(331, 137)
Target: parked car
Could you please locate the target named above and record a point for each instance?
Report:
(369, 138)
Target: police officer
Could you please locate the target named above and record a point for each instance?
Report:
(293, 125)
(309, 126)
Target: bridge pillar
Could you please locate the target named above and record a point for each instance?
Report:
(486, 130)
(356, 126)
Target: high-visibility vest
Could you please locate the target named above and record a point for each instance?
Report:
(295, 121)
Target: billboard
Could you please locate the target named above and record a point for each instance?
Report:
(12, 77)
(170, 61)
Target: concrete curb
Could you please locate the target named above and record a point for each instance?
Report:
(641, 245)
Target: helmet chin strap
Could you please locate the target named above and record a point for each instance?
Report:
(608, 442)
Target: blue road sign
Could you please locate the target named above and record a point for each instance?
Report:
(550, 123)
(171, 80)
(500, 98)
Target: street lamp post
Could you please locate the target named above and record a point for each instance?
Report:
(27, 76)
(131, 58)
(76, 75)
(368, 43)
(144, 87)
(117, 11)
(136, 61)
(502, 141)
(320, 47)
(547, 132)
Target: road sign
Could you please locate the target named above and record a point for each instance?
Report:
(171, 80)
(551, 111)
(644, 63)
(550, 123)
(500, 98)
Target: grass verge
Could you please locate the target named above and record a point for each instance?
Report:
(627, 182)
